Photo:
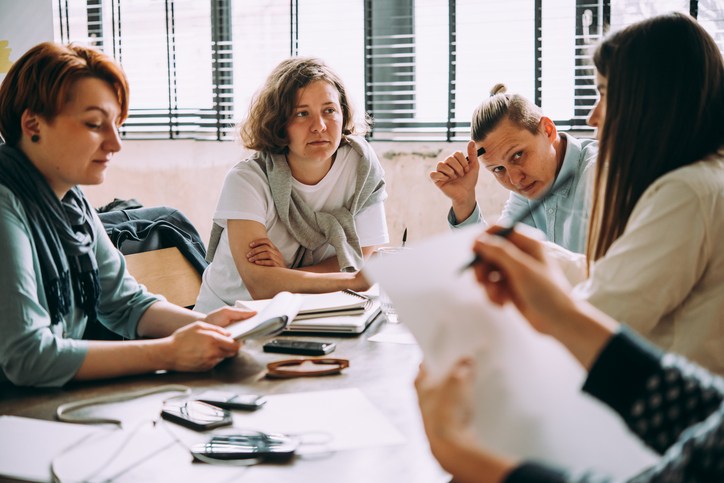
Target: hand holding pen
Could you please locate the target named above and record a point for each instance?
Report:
(456, 176)
(520, 216)
(527, 278)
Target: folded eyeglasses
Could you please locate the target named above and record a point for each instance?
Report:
(306, 367)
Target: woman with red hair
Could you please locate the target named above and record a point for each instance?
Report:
(60, 110)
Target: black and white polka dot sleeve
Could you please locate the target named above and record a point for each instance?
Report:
(658, 395)
(673, 405)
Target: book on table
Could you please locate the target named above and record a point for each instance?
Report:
(271, 319)
(343, 312)
(314, 305)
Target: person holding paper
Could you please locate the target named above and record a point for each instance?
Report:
(60, 110)
(526, 154)
(674, 406)
(302, 212)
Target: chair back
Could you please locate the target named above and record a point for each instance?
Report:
(166, 272)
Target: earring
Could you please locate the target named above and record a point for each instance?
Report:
(35, 138)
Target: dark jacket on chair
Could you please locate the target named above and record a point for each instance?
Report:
(143, 229)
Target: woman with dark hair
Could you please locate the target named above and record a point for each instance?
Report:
(306, 208)
(60, 109)
(654, 251)
(523, 150)
(659, 215)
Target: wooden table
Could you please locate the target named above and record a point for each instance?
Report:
(384, 372)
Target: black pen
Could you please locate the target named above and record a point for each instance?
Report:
(404, 237)
(481, 151)
(534, 205)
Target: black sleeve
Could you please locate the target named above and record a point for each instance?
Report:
(535, 472)
(530, 472)
(658, 395)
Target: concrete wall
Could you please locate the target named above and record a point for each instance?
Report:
(188, 175)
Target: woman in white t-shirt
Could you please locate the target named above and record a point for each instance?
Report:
(307, 207)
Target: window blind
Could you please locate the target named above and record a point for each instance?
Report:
(417, 67)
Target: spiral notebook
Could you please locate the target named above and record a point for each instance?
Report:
(332, 304)
(343, 312)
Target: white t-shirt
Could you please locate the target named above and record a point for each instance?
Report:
(246, 196)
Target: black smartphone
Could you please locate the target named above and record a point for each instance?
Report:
(301, 347)
(232, 400)
(246, 445)
(196, 415)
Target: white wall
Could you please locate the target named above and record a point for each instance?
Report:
(188, 175)
(22, 25)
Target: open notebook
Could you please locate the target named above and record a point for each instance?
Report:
(344, 302)
(343, 312)
(270, 319)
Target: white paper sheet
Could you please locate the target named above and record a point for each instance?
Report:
(339, 420)
(284, 305)
(527, 391)
(29, 445)
(348, 418)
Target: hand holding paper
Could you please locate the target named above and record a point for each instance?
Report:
(540, 292)
(527, 388)
(271, 320)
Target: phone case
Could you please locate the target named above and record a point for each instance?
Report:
(300, 347)
(247, 444)
(197, 415)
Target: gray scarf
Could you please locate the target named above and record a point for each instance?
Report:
(62, 231)
(312, 230)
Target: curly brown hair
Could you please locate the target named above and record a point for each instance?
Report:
(265, 127)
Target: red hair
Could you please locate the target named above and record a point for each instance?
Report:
(42, 79)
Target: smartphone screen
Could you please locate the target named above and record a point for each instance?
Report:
(301, 347)
(196, 415)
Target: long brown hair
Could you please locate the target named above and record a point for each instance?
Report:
(664, 110)
(42, 80)
(265, 127)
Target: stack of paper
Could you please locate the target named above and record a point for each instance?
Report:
(339, 324)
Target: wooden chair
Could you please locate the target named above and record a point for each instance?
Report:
(166, 272)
